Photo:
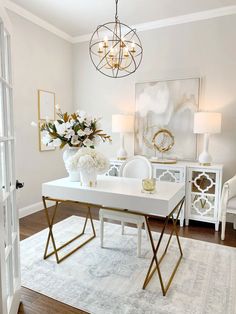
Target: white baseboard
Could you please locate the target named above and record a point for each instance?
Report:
(33, 208)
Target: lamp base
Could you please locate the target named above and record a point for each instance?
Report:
(205, 159)
(122, 153)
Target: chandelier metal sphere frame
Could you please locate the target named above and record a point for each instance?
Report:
(115, 49)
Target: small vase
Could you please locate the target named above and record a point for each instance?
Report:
(88, 178)
(74, 176)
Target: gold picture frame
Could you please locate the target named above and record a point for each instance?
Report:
(46, 112)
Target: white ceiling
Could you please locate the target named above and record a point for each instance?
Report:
(80, 17)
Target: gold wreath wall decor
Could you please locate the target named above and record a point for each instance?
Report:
(163, 140)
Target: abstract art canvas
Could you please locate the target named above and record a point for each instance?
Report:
(171, 105)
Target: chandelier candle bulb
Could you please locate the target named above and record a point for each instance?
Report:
(105, 44)
(100, 48)
(126, 52)
(133, 50)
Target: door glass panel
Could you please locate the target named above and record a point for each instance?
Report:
(3, 166)
(8, 222)
(6, 56)
(1, 112)
(8, 107)
(10, 160)
(9, 279)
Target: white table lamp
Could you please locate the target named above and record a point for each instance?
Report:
(206, 123)
(122, 124)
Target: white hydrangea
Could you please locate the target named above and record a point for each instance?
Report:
(89, 159)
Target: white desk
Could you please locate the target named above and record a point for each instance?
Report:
(119, 194)
(124, 193)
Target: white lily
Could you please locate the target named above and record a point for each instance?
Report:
(69, 133)
(88, 131)
(88, 143)
(46, 138)
(74, 140)
(61, 128)
(56, 142)
(33, 124)
(80, 133)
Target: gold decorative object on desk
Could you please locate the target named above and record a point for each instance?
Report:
(163, 140)
(149, 186)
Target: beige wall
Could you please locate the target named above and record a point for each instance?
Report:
(205, 49)
(40, 61)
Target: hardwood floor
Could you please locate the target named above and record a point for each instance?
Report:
(35, 303)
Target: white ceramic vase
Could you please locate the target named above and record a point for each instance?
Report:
(74, 176)
(88, 178)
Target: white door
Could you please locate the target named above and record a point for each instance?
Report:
(9, 221)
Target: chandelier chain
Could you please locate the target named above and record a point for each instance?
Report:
(116, 15)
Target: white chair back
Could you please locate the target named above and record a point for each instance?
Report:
(136, 167)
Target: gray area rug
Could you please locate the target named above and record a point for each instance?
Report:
(109, 280)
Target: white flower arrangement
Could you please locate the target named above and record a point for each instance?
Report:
(88, 159)
(75, 130)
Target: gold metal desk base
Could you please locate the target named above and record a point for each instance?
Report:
(154, 262)
(155, 250)
(51, 236)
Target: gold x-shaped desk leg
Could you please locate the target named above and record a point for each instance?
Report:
(51, 236)
(155, 249)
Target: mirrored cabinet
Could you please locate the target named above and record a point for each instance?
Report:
(203, 187)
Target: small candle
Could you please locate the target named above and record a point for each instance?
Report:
(105, 42)
(133, 50)
(149, 185)
(111, 54)
(100, 46)
(126, 52)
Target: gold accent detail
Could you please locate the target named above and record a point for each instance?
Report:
(205, 164)
(155, 249)
(51, 236)
(121, 158)
(160, 148)
(164, 161)
(40, 121)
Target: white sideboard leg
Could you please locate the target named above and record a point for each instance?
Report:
(101, 229)
(122, 227)
(235, 222)
(223, 223)
(181, 222)
(217, 226)
(186, 222)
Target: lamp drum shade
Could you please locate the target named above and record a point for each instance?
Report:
(122, 123)
(207, 122)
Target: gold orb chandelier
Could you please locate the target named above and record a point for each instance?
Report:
(115, 48)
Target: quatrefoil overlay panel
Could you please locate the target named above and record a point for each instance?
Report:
(169, 176)
(202, 206)
(113, 171)
(203, 182)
